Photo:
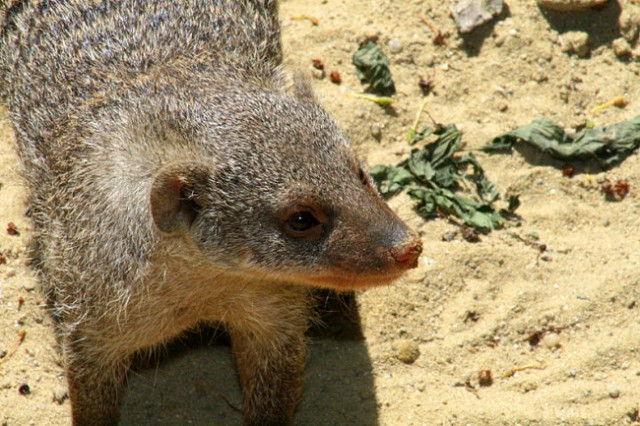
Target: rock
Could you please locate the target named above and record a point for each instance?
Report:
(318, 74)
(360, 113)
(569, 5)
(621, 47)
(376, 131)
(551, 340)
(449, 236)
(394, 46)
(614, 392)
(629, 23)
(575, 42)
(407, 351)
(470, 14)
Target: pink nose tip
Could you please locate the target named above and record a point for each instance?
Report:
(406, 255)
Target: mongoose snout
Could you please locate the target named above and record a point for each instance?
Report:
(407, 254)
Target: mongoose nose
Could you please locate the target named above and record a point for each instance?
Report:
(406, 255)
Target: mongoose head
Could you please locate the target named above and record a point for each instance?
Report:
(281, 195)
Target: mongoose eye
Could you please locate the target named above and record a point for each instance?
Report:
(302, 224)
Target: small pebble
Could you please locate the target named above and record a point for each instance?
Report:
(318, 74)
(12, 229)
(376, 130)
(629, 23)
(572, 373)
(3, 353)
(449, 236)
(407, 351)
(394, 46)
(10, 272)
(621, 47)
(551, 340)
(24, 389)
(575, 42)
(470, 14)
(335, 78)
(614, 392)
(430, 61)
(60, 394)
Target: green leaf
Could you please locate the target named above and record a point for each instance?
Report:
(390, 179)
(484, 188)
(482, 220)
(433, 175)
(414, 137)
(609, 144)
(514, 203)
(372, 67)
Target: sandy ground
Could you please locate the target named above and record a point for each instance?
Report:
(468, 307)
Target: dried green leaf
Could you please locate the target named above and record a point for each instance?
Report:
(433, 176)
(514, 203)
(609, 144)
(391, 179)
(373, 68)
(485, 190)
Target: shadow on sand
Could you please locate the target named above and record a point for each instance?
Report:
(194, 382)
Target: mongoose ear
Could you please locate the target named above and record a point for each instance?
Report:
(302, 86)
(177, 194)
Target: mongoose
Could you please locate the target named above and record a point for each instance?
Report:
(178, 177)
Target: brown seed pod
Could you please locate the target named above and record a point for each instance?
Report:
(335, 78)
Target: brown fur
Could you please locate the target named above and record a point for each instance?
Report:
(169, 163)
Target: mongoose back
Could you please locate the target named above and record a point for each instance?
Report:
(178, 177)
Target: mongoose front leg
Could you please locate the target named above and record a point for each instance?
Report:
(95, 383)
(270, 372)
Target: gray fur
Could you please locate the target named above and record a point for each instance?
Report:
(165, 152)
